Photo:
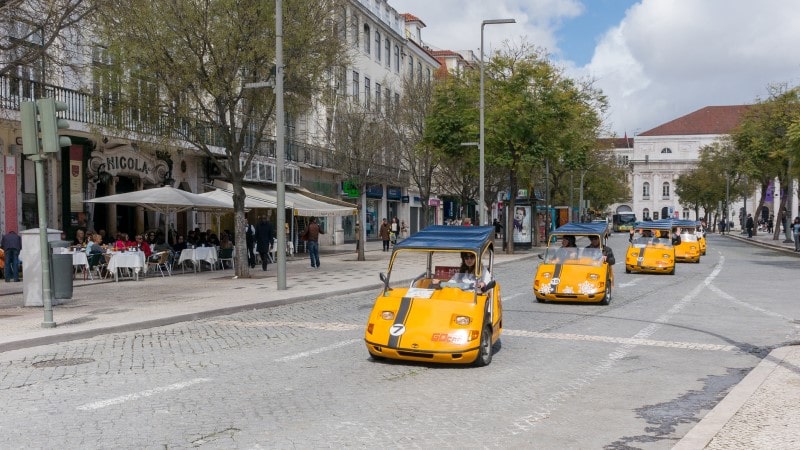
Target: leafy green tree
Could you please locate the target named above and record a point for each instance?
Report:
(197, 57)
(763, 142)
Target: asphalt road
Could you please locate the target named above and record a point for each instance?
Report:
(638, 373)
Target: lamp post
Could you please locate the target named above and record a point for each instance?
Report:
(482, 140)
(280, 252)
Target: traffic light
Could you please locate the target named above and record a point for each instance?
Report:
(30, 128)
(50, 124)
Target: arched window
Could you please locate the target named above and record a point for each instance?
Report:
(666, 150)
(646, 214)
(646, 190)
(378, 46)
(665, 189)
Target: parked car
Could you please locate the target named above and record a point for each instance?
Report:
(445, 315)
(575, 273)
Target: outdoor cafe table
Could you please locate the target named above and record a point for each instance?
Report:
(79, 258)
(127, 260)
(198, 254)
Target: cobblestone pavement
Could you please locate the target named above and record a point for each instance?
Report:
(760, 412)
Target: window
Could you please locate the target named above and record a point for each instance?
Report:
(388, 48)
(645, 214)
(378, 46)
(665, 190)
(685, 214)
(646, 190)
(428, 74)
(666, 150)
(396, 99)
(419, 70)
(411, 67)
(356, 86)
(367, 40)
(397, 58)
(655, 215)
(388, 95)
(378, 97)
(367, 95)
(354, 30)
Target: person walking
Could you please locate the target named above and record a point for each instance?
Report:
(264, 236)
(394, 230)
(12, 245)
(749, 224)
(796, 233)
(250, 241)
(312, 241)
(384, 234)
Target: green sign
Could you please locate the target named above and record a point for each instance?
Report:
(350, 189)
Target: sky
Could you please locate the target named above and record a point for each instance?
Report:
(655, 60)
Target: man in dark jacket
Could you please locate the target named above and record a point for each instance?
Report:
(250, 240)
(264, 235)
(12, 245)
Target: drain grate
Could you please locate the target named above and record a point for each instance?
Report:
(62, 362)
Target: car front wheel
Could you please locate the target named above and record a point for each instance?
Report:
(485, 351)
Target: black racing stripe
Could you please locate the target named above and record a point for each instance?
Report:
(400, 319)
(556, 274)
(640, 259)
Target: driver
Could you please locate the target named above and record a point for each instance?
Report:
(465, 277)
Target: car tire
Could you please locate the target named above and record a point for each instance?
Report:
(607, 297)
(540, 300)
(485, 350)
(627, 270)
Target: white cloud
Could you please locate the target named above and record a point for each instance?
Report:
(665, 59)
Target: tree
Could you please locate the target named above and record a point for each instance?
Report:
(39, 32)
(764, 143)
(198, 56)
(358, 138)
(407, 122)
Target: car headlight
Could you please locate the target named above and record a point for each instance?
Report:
(463, 320)
(547, 275)
(593, 276)
(666, 256)
(387, 315)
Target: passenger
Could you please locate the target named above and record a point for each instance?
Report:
(567, 251)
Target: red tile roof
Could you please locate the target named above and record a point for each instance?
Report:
(412, 18)
(708, 120)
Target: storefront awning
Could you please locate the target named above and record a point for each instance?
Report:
(302, 203)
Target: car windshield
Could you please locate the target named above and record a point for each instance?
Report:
(574, 255)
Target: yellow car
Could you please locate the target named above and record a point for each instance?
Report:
(450, 313)
(650, 249)
(572, 270)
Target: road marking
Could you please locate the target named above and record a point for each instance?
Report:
(619, 340)
(599, 370)
(733, 299)
(324, 326)
(317, 350)
(631, 283)
(147, 393)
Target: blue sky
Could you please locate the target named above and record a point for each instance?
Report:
(655, 60)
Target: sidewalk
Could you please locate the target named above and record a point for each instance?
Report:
(763, 410)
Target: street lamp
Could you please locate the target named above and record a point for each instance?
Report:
(280, 252)
(482, 143)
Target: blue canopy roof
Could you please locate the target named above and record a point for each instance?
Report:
(678, 222)
(582, 228)
(441, 237)
(654, 225)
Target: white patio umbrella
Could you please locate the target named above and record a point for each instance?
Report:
(165, 200)
(227, 198)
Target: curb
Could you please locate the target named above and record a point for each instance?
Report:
(713, 422)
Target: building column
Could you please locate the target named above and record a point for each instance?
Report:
(111, 209)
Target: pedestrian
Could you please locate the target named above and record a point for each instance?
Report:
(771, 223)
(264, 236)
(12, 245)
(749, 225)
(384, 234)
(394, 230)
(358, 235)
(796, 233)
(498, 229)
(250, 241)
(311, 236)
(403, 229)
